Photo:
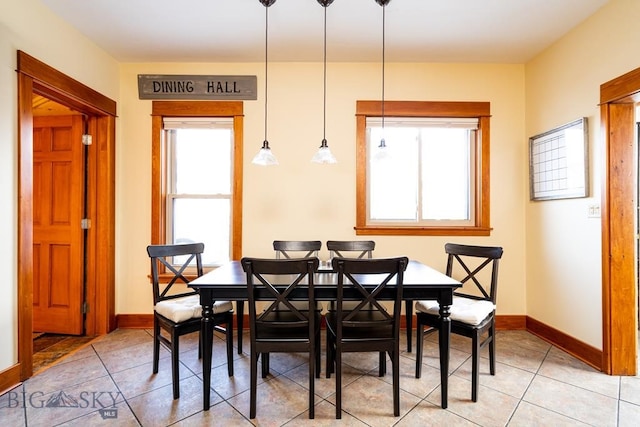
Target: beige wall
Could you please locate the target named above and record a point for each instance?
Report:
(27, 25)
(301, 200)
(563, 246)
(551, 248)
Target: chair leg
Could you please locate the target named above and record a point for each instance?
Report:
(253, 383)
(330, 357)
(395, 358)
(313, 353)
(229, 338)
(265, 364)
(317, 351)
(175, 363)
(382, 369)
(156, 344)
(475, 366)
(409, 320)
(419, 343)
(338, 366)
(240, 323)
(492, 349)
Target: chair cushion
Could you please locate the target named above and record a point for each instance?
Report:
(185, 308)
(464, 310)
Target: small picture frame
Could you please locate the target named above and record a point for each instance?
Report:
(558, 162)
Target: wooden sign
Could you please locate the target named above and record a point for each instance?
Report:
(185, 87)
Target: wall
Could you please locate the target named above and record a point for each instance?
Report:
(26, 25)
(563, 247)
(301, 200)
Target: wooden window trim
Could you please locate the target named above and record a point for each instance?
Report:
(161, 109)
(480, 110)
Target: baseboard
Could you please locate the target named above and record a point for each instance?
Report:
(511, 322)
(9, 378)
(578, 349)
(134, 321)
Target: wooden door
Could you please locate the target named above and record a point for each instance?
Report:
(58, 196)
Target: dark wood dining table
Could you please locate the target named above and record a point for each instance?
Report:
(229, 282)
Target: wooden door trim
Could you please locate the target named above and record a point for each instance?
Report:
(35, 77)
(619, 286)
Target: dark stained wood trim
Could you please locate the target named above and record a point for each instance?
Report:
(619, 199)
(25, 226)
(511, 322)
(623, 88)
(424, 108)
(60, 87)
(35, 77)
(10, 378)
(480, 110)
(135, 321)
(582, 351)
(160, 109)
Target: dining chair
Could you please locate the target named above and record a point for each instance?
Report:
(367, 327)
(474, 305)
(281, 326)
(177, 310)
(296, 248)
(351, 248)
(284, 249)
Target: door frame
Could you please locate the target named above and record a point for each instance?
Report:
(36, 77)
(619, 181)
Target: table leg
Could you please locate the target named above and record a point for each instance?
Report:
(409, 316)
(240, 323)
(444, 338)
(207, 339)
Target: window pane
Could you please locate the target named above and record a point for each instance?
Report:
(445, 174)
(393, 181)
(203, 161)
(206, 221)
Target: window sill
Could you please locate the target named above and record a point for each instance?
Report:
(422, 231)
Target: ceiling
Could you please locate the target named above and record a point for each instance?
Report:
(480, 31)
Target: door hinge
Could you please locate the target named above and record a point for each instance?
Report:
(85, 224)
(87, 139)
(85, 307)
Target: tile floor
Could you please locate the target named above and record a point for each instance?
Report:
(109, 383)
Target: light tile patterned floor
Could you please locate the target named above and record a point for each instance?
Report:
(109, 383)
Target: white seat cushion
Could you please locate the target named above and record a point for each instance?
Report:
(185, 308)
(464, 310)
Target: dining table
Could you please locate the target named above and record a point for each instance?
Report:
(229, 282)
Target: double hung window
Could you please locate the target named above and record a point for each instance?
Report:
(432, 177)
(197, 177)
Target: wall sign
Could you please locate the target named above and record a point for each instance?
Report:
(185, 87)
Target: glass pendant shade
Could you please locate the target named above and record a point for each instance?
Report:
(265, 157)
(324, 154)
(382, 152)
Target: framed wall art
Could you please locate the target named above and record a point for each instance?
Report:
(558, 162)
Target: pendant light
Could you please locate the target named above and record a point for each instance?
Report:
(324, 155)
(382, 151)
(265, 157)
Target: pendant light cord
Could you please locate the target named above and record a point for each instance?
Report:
(383, 62)
(324, 99)
(266, 60)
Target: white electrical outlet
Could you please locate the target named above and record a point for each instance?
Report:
(593, 211)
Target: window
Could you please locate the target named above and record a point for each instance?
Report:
(197, 176)
(434, 179)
